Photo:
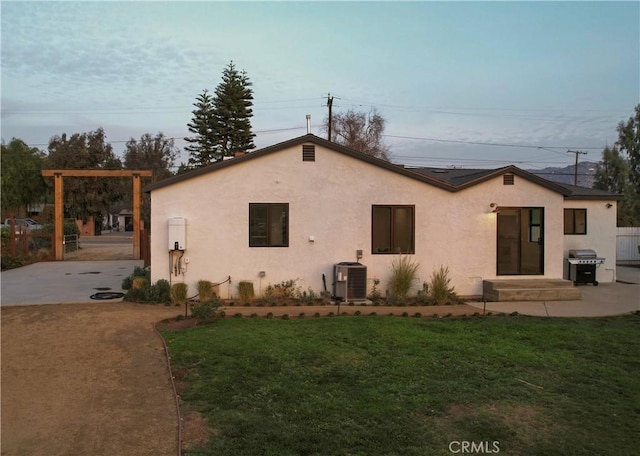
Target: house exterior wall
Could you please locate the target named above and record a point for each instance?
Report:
(601, 235)
(331, 200)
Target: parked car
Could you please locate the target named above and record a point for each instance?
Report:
(23, 224)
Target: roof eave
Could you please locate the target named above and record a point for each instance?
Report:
(292, 143)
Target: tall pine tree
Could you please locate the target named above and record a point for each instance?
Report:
(203, 148)
(232, 110)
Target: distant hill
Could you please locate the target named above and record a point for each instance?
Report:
(586, 174)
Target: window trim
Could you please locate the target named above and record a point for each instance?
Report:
(572, 230)
(393, 207)
(268, 225)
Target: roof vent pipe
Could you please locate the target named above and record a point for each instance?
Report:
(308, 123)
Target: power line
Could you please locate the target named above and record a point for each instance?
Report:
(480, 143)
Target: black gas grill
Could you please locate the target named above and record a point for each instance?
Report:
(582, 266)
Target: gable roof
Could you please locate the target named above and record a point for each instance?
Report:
(452, 180)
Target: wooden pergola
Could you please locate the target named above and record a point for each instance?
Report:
(59, 174)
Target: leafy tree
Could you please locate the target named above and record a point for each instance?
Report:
(629, 142)
(619, 170)
(359, 131)
(612, 174)
(232, 110)
(203, 149)
(85, 196)
(21, 182)
(157, 154)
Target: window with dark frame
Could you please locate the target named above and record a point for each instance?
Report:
(575, 221)
(535, 225)
(268, 224)
(392, 229)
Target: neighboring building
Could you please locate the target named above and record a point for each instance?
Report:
(293, 210)
(125, 220)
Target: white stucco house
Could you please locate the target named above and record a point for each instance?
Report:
(295, 209)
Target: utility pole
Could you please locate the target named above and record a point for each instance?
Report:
(330, 105)
(575, 175)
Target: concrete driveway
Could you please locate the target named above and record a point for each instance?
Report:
(55, 282)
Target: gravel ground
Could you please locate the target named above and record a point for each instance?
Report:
(86, 379)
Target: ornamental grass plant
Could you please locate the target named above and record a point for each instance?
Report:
(404, 271)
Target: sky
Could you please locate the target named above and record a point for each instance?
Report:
(459, 83)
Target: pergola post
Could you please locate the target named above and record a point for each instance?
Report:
(59, 174)
(136, 216)
(58, 219)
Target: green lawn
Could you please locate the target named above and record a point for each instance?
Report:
(404, 386)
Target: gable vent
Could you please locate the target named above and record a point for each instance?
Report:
(508, 179)
(309, 153)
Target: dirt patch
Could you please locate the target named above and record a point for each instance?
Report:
(101, 253)
(195, 431)
(86, 379)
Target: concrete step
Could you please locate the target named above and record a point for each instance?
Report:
(530, 290)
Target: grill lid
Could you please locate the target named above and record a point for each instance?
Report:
(582, 253)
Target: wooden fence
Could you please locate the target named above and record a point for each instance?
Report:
(628, 245)
(23, 243)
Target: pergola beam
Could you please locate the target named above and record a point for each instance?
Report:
(59, 174)
(96, 173)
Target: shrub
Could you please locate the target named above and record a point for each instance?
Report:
(284, 289)
(245, 290)
(205, 290)
(179, 293)
(9, 262)
(137, 294)
(440, 289)
(404, 271)
(307, 297)
(139, 282)
(127, 282)
(160, 292)
(206, 311)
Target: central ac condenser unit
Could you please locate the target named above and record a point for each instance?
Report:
(349, 281)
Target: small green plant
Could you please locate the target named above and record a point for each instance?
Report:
(404, 270)
(375, 296)
(205, 290)
(422, 297)
(440, 290)
(179, 293)
(245, 290)
(207, 311)
(307, 297)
